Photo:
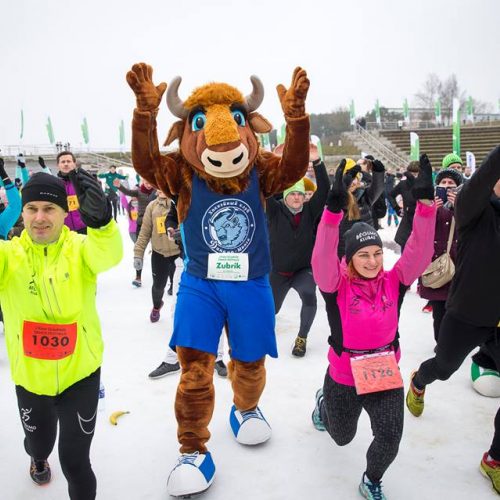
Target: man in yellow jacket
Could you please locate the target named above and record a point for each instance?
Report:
(47, 289)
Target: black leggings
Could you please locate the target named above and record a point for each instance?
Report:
(340, 413)
(75, 409)
(113, 198)
(438, 312)
(303, 283)
(163, 269)
(456, 340)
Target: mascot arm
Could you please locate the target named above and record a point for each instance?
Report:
(159, 170)
(277, 173)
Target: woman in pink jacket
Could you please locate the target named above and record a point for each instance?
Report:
(362, 306)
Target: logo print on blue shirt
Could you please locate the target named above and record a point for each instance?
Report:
(228, 226)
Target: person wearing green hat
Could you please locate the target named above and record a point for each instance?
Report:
(292, 223)
(452, 160)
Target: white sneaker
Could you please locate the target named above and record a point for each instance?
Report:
(193, 474)
(249, 427)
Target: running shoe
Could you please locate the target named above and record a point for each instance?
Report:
(40, 471)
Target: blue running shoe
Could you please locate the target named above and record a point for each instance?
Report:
(371, 490)
(316, 414)
(249, 427)
(193, 474)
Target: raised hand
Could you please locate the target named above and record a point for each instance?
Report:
(338, 195)
(140, 79)
(423, 188)
(41, 162)
(3, 173)
(293, 100)
(95, 208)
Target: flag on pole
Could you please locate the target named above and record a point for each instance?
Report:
(352, 113)
(22, 125)
(470, 110)
(470, 160)
(377, 113)
(265, 141)
(406, 112)
(122, 133)
(85, 131)
(50, 130)
(414, 146)
(456, 126)
(437, 110)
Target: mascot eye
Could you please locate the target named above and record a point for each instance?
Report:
(198, 122)
(239, 118)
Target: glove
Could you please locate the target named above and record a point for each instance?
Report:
(95, 209)
(21, 164)
(41, 162)
(410, 179)
(338, 195)
(137, 263)
(377, 166)
(423, 188)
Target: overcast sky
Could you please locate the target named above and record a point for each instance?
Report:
(68, 59)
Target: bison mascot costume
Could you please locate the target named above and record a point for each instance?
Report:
(220, 179)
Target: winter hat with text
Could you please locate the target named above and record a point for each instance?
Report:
(360, 235)
(45, 187)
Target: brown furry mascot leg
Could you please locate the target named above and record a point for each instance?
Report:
(194, 402)
(248, 381)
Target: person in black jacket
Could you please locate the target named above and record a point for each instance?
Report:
(291, 233)
(473, 308)
(361, 198)
(407, 213)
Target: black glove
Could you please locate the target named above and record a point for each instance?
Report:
(410, 179)
(338, 195)
(377, 166)
(423, 188)
(95, 209)
(21, 164)
(41, 162)
(3, 174)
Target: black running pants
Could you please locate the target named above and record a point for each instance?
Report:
(163, 269)
(303, 283)
(75, 410)
(340, 413)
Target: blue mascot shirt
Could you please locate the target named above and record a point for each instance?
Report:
(218, 223)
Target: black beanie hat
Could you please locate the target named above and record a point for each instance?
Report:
(45, 187)
(360, 235)
(451, 173)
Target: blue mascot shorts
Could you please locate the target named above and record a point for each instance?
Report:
(204, 306)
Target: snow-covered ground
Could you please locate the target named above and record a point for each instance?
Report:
(439, 454)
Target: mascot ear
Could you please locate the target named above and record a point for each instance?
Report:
(259, 124)
(175, 132)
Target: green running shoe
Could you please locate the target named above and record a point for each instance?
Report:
(415, 399)
(491, 470)
(316, 414)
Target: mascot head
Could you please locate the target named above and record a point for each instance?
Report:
(217, 127)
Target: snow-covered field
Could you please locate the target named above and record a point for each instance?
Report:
(439, 454)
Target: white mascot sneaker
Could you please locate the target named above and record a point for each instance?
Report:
(485, 381)
(193, 474)
(249, 427)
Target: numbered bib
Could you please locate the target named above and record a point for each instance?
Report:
(376, 372)
(160, 225)
(49, 341)
(73, 203)
(133, 214)
(228, 266)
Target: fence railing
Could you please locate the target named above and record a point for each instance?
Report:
(380, 149)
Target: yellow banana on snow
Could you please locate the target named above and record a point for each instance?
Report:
(113, 418)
